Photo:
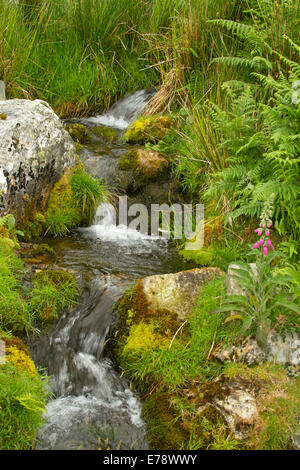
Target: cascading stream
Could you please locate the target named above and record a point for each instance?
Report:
(91, 400)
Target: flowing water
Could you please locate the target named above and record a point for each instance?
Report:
(91, 401)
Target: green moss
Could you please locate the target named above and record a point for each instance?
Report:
(148, 129)
(165, 432)
(32, 228)
(202, 257)
(79, 133)
(3, 116)
(73, 200)
(106, 133)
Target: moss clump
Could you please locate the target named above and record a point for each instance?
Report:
(202, 257)
(21, 360)
(147, 165)
(79, 133)
(73, 201)
(3, 116)
(32, 228)
(18, 343)
(149, 129)
(143, 336)
(106, 133)
(165, 432)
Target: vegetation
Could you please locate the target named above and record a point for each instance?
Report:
(226, 116)
(53, 291)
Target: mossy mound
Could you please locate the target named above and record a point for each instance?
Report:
(79, 133)
(106, 133)
(16, 342)
(3, 116)
(147, 165)
(148, 129)
(21, 360)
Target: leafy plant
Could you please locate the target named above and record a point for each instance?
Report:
(266, 292)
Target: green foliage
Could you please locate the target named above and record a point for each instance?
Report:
(53, 291)
(14, 312)
(73, 201)
(187, 357)
(88, 192)
(8, 232)
(267, 295)
(22, 402)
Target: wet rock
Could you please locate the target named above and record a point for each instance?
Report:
(35, 150)
(177, 292)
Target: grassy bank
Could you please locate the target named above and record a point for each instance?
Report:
(80, 55)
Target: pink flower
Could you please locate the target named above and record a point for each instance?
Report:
(255, 246)
(265, 250)
(270, 244)
(267, 233)
(270, 224)
(261, 241)
(258, 231)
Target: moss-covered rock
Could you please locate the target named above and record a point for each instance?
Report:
(146, 165)
(148, 129)
(106, 133)
(79, 133)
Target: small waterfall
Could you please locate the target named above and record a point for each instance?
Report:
(125, 111)
(105, 227)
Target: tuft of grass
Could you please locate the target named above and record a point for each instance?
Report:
(53, 291)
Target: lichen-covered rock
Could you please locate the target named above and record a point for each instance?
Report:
(177, 292)
(35, 150)
(146, 165)
(277, 350)
(148, 129)
(238, 408)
